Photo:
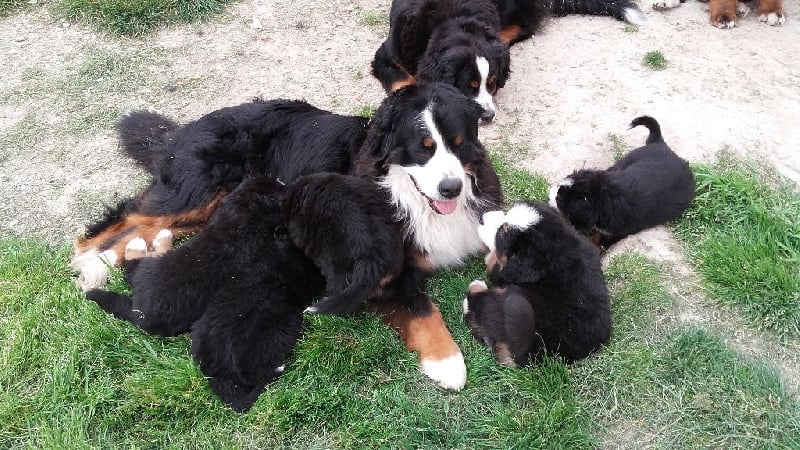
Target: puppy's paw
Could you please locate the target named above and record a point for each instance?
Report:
(477, 286)
(136, 248)
(774, 19)
(162, 243)
(723, 21)
(449, 373)
(93, 268)
(660, 5)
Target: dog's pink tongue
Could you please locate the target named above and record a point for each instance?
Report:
(446, 207)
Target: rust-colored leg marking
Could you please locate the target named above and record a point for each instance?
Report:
(439, 355)
(722, 13)
(510, 33)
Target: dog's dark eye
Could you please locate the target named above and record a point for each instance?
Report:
(492, 84)
(428, 145)
(475, 84)
(280, 233)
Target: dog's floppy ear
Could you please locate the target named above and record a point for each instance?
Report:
(375, 149)
(411, 30)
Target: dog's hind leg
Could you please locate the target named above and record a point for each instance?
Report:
(365, 280)
(118, 305)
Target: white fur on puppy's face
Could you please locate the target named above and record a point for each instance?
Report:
(492, 220)
(553, 193)
(484, 97)
(522, 216)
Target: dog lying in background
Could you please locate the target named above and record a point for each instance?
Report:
(548, 295)
(465, 43)
(647, 187)
(347, 226)
(239, 286)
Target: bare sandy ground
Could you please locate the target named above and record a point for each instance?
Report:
(573, 91)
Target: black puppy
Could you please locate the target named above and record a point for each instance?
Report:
(240, 285)
(548, 296)
(649, 186)
(347, 226)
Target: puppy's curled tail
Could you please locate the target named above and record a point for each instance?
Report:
(652, 125)
(142, 135)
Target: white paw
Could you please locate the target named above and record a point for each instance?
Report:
(136, 244)
(163, 241)
(93, 268)
(478, 284)
(465, 306)
(665, 4)
(772, 19)
(280, 369)
(449, 373)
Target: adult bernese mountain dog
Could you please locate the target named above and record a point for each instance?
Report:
(422, 147)
(465, 43)
(195, 165)
(647, 187)
(239, 286)
(548, 297)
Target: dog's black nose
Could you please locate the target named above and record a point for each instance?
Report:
(487, 115)
(450, 187)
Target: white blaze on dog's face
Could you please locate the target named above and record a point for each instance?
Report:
(484, 97)
(429, 184)
(441, 179)
(553, 193)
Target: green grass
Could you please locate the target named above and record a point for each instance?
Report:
(72, 376)
(743, 237)
(89, 93)
(7, 7)
(139, 17)
(655, 60)
(517, 184)
(375, 20)
(365, 111)
(630, 28)
(618, 146)
(657, 384)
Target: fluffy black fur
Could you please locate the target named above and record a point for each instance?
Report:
(396, 140)
(439, 41)
(625, 10)
(548, 296)
(647, 187)
(279, 137)
(240, 286)
(347, 226)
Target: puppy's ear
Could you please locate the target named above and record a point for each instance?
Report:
(499, 55)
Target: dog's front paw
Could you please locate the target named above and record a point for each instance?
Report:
(665, 4)
(449, 373)
(774, 19)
